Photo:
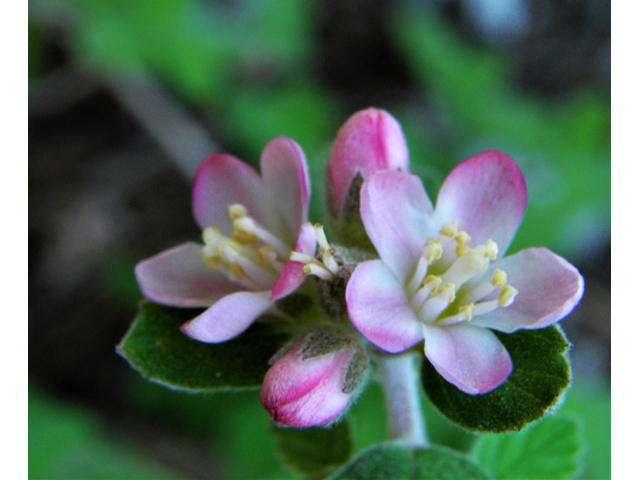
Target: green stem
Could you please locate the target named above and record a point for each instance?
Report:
(399, 377)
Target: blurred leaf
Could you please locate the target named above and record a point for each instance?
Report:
(540, 374)
(396, 461)
(593, 404)
(315, 451)
(563, 147)
(65, 441)
(550, 449)
(302, 112)
(157, 348)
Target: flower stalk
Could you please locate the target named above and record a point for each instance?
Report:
(399, 377)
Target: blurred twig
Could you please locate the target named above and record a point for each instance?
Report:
(166, 121)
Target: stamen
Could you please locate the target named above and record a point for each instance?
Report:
(507, 296)
(269, 257)
(492, 249)
(250, 226)
(329, 260)
(209, 260)
(236, 271)
(432, 250)
(449, 229)
(465, 314)
(318, 270)
(237, 210)
(429, 285)
(321, 237)
(434, 306)
(499, 278)
(301, 257)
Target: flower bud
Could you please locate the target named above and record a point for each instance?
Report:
(369, 141)
(313, 379)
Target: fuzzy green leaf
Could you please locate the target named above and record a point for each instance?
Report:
(540, 374)
(396, 461)
(315, 451)
(549, 449)
(157, 348)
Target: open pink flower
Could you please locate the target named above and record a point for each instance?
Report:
(250, 224)
(441, 277)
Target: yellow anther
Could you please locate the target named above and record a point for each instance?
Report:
(447, 293)
(491, 249)
(462, 237)
(211, 235)
(244, 230)
(449, 229)
(307, 269)
(499, 278)
(462, 250)
(236, 271)
(468, 311)
(432, 281)
(432, 250)
(210, 261)
(507, 296)
(267, 255)
(237, 210)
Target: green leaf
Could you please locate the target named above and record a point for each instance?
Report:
(549, 449)
(157, 348)
(396, 461)
(315, 451)
(540, 374)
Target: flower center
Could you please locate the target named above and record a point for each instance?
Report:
(252, 256)
(445, 288)
(325, 265)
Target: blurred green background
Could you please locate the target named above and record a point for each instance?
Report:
(127, 98)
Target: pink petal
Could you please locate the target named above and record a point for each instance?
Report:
(471, 358)
(396, 214)
(221, 181)
(179, 278)
(487, 196)
(306, 393)
(286, 180)
(369, 141)
(548, 287)
(227, 318)
(378, 307)
(291, 276)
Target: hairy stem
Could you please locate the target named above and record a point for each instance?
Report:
(404, 415)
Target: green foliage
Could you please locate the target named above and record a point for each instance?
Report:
(593, 404)
(315, 451)
(550, 449)
(397, 461)
(540, 374)
(562, 146)
(157, 348)
(66, 441)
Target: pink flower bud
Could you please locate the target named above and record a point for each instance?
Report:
(313, 382)
(369, 141)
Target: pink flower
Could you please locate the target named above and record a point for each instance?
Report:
(314, 381)
(441, 277)
(250, 224)
(369, 141)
